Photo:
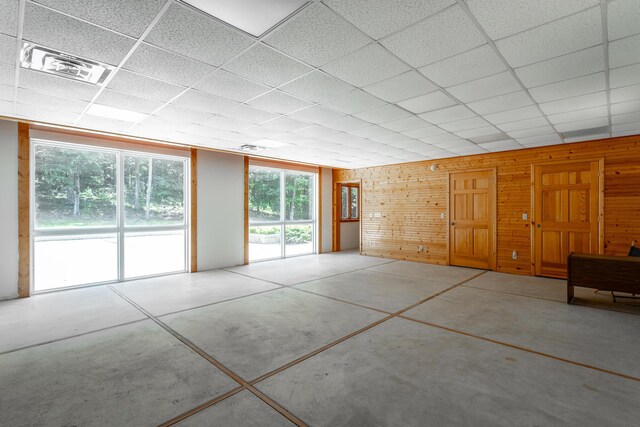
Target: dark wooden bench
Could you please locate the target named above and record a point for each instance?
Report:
(603, 272)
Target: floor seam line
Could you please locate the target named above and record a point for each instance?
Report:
(525, 349)
(355, 333)
(213, 361)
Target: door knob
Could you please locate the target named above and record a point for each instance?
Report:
(453, 223)
(538, 225)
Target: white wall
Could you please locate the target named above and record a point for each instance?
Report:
(8, 210)
(349, 235)
(220, 210)
(327, 210)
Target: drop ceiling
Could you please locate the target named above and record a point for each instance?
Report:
(342, 83)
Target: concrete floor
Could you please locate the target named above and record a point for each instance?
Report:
(336, 339)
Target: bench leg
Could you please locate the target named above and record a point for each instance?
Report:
(569, 294)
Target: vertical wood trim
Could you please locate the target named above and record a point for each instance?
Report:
(337, 214)
(601, 237)
(246, 210)
(494, 220)
(448, 220)
(360, 214)
(194, 210)
(319, 222)
(533, 219)
(24, 225)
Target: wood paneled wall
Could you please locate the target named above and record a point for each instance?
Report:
(410, 199)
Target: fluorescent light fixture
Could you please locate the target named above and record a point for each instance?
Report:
(115, 113)
(49, 61)
(255, 17)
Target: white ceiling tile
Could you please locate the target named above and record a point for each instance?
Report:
(501, 103)
(57, 86)
(143, 87)
(7, 49)
(201, 101)
(625, 76)
(525, 133)
(581, 63)
(9, 17)
(368, 65)
(624, 52)
(316, 114)
(627, 133)
(383, 114)
(175, 69)
(501, 18)
(458, 125)
(103, 124)
(403, 86)
(424, 132)
(6, 91)
(191, 33)
(625, 107)
(443, 35)
(6, 107)
(582, 124)
(524, 124)
(347, 124)
(587, 138)
(392, 139)
(50, 102)
(279, 102)
(315, 131)
(262, 132)
(125, 101)
(354, 102)
(125, 16)
(406, 124)
(486, 87)
(626, 127)
(501, 146)
(575, 103)
(569, 88)
(230, 86)
(517, 114)
(441, 139)
(623, 17)
(540, 140)
(248, 114)
(317, 87)
(625, 118)
(574, 116)
(226, 123)
(428, 102)
(476, 63)
(61, 32)
(557, 38)
(171, 112)
(267, 66)
(378, 18)
(285, 124)
(477, 132)
(467, 150)
(28, 111)
(317, 36)
(7, 75)
(370, 131)
(457, 112)
(628, 93)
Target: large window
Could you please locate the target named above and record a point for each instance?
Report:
(103, 215)
(282, 216)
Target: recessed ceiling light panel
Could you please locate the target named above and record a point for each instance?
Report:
(250, 148)
(115, 113)
(255, 17)
(40, 58)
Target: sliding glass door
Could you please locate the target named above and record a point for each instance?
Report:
(102, 215)
(282, 213)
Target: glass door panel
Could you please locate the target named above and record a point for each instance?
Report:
(153, 252)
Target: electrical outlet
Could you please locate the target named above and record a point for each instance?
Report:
(525, 216)
(442, 215)
(420, 248)
(514, 255)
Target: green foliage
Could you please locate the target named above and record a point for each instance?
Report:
(264, 195)
(292, 234)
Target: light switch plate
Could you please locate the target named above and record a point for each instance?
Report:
(525, 216)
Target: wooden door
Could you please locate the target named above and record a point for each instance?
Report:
(566, 217)
(472, 206)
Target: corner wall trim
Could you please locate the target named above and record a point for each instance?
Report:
(24, 226)
(194, 210)
(246, 210)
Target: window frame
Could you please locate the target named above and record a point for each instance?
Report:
(350, 187)
(120, 228)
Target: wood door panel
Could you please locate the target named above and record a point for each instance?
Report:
(472, 212)
(566, 213)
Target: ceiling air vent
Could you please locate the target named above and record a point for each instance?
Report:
(583, 133)
(50, 61)
(250, 148)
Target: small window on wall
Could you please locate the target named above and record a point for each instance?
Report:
(350, 209)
